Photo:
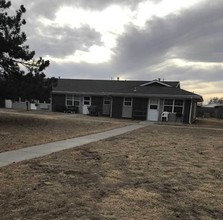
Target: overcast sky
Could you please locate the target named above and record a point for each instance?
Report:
(178, 40)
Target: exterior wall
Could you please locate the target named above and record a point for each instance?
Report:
(140, 108)
(19, 105)
(58, 102)
(23, 105)
(193, 113)
(186, 113)
(98, 102)
(44, 106)
(2, 103)
(81, 104)
(117, 104)
(161, 109)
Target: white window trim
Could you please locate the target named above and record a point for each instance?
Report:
(173, 105)
(87, 100)
(72, 98)
(124, 101)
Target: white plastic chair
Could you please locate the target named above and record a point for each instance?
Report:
(165, 116)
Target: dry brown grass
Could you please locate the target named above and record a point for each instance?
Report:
(23, 129)
(159, 172)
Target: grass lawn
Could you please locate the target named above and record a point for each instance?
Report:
(158, 172)
(24, 129)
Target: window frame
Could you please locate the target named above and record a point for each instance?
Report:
(87, 101)
(107, 101)
(127, 103)
(176, 103)
(72, 99)
(69, 98)
(76, 99)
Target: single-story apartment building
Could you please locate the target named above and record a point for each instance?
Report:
(144, 100)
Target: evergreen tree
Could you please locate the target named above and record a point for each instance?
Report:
(20, 74)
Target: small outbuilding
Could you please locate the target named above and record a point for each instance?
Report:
(214, 110)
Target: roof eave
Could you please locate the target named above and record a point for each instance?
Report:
(192, 96)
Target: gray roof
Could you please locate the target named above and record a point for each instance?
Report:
(153, 88)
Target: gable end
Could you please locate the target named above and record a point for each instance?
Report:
(156, 82)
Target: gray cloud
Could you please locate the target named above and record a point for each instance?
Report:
(63, 41)
(80, 70)
(195, 35)
(203, 40)
(48, 8)
(100, 4)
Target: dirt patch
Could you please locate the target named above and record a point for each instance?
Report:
(21, 129)
(158, 172)
(209, 122)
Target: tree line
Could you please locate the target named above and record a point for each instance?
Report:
(216, 100)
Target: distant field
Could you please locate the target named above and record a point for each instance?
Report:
(158, 172)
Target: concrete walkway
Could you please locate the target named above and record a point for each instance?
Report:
(27, 153)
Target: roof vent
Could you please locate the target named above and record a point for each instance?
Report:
(117, 78)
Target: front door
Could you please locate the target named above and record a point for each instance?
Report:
(127, 107)
(106, 106)
(153, 110)
(86, 104)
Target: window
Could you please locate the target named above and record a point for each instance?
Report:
(76, 101)
(48, 101)
(179, 102)
(168, 105)
(127, 101)
(72, 100)
(178, 106)
(153, 107)
(87, 100)
(153, 104)
(107, 101)
(171, 105)
(69, 100)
